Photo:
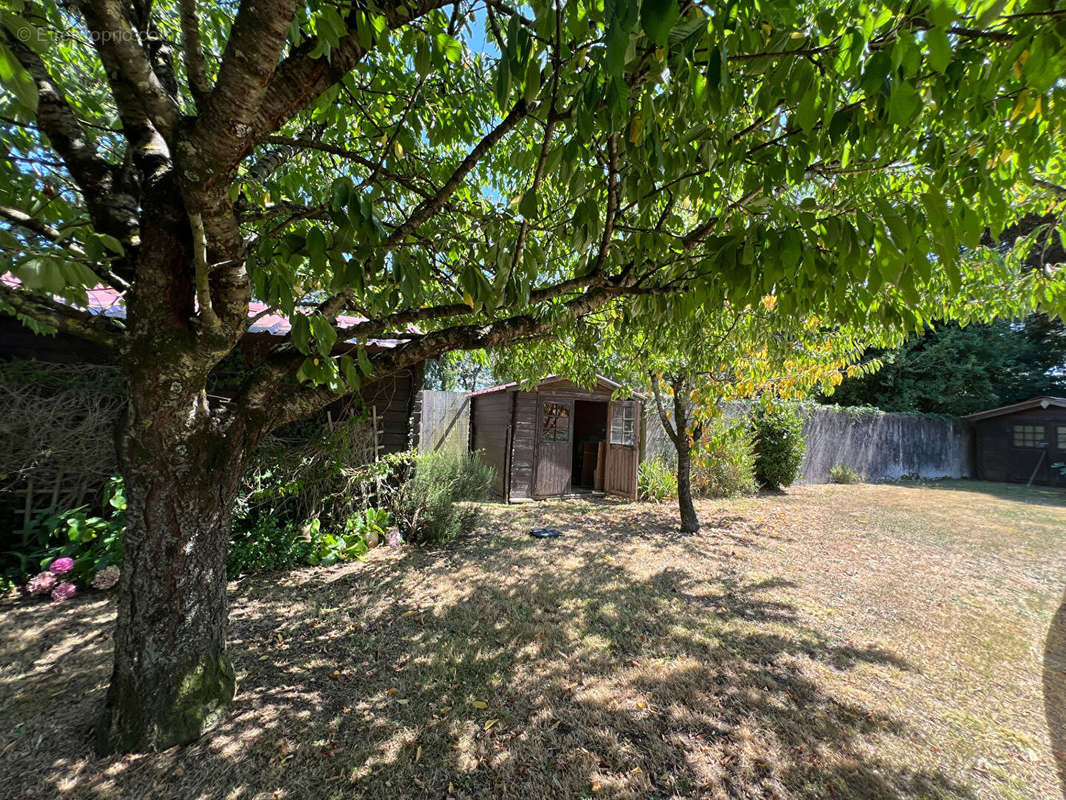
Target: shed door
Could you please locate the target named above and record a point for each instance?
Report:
(555, 433)
(623, 448)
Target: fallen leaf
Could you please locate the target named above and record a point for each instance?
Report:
(490, 723)
(418, 754)
(479, 704)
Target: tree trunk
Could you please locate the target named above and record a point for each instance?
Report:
(690, 523)
(172, 679)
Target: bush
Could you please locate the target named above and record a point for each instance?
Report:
(267, 543)
(844, 474)
(423, 502)
(307, 473)
(779, 444)
(724, 464)
(656, 481)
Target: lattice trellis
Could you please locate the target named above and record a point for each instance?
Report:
(57, 425)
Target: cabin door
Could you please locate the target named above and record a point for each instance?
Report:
(623, 448)
(555, 434)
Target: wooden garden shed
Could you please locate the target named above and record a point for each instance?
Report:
(1022, 442)
(558, 438)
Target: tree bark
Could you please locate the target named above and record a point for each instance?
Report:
(172, 678)
(690, 523)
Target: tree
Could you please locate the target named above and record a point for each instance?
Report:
(465, 372)
(958, 370)
(464, 175)
(736, 355)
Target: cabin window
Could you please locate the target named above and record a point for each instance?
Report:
(556, 422)
(1029, 436)
(1061, 431)
(623, 424)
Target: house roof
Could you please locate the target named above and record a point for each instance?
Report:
(1025, 405)
(108, 302)
(549, 379)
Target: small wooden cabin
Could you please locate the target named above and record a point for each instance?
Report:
(557, 439)
(1021, 442)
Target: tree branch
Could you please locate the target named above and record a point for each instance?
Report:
(431, 205)
(193, 52)
(112, 211)
(252, 53)
(663, 417)
(94, 328)
(127, 64)
(41, 228)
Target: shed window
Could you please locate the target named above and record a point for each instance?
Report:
(1029, 436)
(623, 423)
(1061, 435)
(556, 422)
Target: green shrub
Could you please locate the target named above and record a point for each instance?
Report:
(842, 473)
(310, 472)
(424, 499)
(267, 543)
(656, 481)
(723, 465)
(779, 444)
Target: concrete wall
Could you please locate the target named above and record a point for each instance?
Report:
(883, 446)
(878, 445)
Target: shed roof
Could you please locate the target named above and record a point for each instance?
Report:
(109, 302)
(1025, 405)
(503, 387)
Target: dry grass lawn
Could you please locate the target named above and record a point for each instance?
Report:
(870, 641)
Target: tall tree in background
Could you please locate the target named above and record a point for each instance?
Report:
(959, 370)
(459, 371)
(488, 172)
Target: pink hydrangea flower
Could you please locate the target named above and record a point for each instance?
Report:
(61, 565)
(64, 591)
(394, 538)
(106, 578)
(41, 583)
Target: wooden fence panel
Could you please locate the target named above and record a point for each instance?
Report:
(445, 422)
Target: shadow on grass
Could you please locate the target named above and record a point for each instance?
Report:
(1055, 689)
(503, 666)
(1034, 495)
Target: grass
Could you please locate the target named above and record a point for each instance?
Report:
(867, 641)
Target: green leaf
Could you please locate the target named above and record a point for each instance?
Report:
(657, 17)
(301, 333)
(18, 81)
(111, 243)
(325, 335)
(364, 362)
(939, 49)
(903, 103)
(349, 371)
(452, 48)
(528, 206)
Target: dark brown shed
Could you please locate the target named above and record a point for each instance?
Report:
(558, 438)
(1022, 442)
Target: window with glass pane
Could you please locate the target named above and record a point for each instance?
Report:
(556, 422)
(1061, 431)
(1029, 436)
(623, 424)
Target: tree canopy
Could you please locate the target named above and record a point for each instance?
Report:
(960, 370)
